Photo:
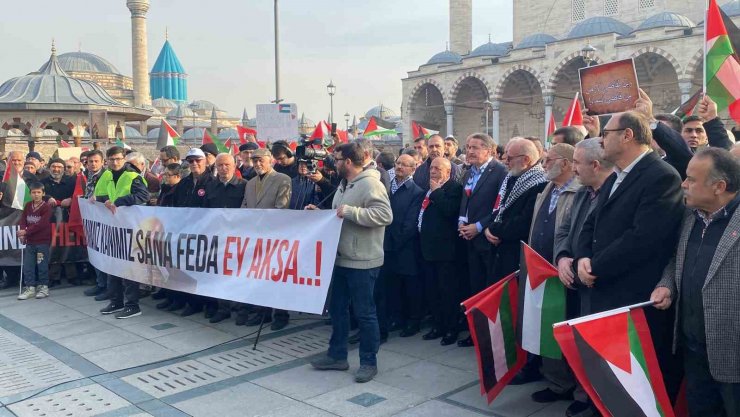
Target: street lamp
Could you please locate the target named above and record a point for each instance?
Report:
(331, 89)
(346, 120)
(487, 105)
(589, 54)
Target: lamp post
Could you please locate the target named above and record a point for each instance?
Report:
(277, 57)
(487, 105)
(589, 54)
(331, 89)
(346, 121)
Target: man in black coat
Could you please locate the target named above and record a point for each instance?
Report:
(435, 149)
(399, 276)
(512, 215)
(628, 239)
(438, 234)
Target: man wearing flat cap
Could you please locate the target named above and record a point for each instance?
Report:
(246, 168)
(211, 152)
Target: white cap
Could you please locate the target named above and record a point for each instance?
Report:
(195, 153)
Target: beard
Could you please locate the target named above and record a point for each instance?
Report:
(553, 172)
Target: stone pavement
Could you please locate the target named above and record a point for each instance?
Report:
(159, 364)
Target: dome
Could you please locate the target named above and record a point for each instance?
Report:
(599, 25)
(163, 103)
(228, 134)
(203, 105)
(51, 85)
(153, 134)
(666, 19)
(445, 57)
(132, 133)
(380, 112)
(193, 133)
(85, 62)
(167, 61)
(181, 110)
(492, 49)
(15, 132)
(731, 8)
(537, 40)
(49, 133)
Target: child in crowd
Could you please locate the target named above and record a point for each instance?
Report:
(35, 233)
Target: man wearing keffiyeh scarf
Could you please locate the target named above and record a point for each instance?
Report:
(514, 206)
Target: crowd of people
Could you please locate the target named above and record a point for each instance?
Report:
(641, 208)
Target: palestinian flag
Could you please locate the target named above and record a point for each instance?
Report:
(373, 129)
(122, 144)
(75, 217)
(686, 109)
(541, 304)
(492, 317)
(167, 135)
(733, 32)
(551, 128)
(17, 188)
(573, 116)
(722, 69)
(208, 139)
(64, 144)
(613, 357)
(418, 130)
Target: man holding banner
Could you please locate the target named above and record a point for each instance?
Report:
(361, 200)
(121, 186)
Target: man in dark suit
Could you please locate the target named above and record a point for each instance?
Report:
(480, 188)
(435, 149)
(702, 279)
(438, 233)
(399, 275)
(628, 239)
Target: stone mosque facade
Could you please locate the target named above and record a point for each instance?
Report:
(510, 88)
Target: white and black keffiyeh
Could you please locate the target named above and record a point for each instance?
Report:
(530, 178)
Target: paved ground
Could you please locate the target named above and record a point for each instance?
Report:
(80, 363)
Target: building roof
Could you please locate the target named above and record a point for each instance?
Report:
(167, 61)
(51, 85)
(731, 8)
(203, 105)
(164, 103)
(666, 19)
(536, 40)
(381, 112)
(86, 62)
(193, 133)
(599, 25)
(132, 133)
(445, 57)
(492, 49)
(181, 110)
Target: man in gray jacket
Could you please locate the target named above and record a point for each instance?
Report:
(361, 200)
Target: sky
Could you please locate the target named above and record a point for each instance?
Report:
(227, 46)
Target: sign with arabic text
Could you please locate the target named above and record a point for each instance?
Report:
(609, 88)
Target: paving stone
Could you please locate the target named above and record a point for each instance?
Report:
(245, 360)
(132, 354)
(337, 401)
(305, 382)
(90, 400)
(193, 340)
(242, 400)
(90, 342)
(176, 378)
(417, 347)
(301, 344)
(72, 328)
(366, 399)
(438, 409)
(296, 410)
(460, 358)
(427, 378)
(514, 400)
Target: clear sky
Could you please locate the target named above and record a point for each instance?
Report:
(226, 46)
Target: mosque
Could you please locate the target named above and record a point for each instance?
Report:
(510, 88)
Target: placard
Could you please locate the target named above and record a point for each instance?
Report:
(609, 88)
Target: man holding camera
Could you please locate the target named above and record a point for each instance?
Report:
(362, 201)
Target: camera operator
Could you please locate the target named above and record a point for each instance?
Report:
(285, 160)
(304, 191)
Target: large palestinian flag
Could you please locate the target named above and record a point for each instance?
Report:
(722, 68)
(492, 316)
(541, 304)
(16, 188)
(612, 356)
(167, 135)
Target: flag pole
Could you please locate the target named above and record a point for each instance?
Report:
(704, 69)
(573, 108)
(603, 314)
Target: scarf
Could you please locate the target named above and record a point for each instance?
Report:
(530, 178)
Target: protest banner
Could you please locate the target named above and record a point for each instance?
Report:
(275, 258)
(609, 88)
(277, 122)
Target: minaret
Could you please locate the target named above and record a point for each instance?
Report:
(214, 122)
(138, 9)
(180, 119)
(461, 26)
(245, 118)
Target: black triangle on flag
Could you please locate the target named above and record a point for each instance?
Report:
(732, 32)
(485, 348)
(612, 393)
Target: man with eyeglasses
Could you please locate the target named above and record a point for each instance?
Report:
(72, 166)
(121, 186)
(95, 169)
(630, 236)
(552, 207)
(58, 189)
(435, 149)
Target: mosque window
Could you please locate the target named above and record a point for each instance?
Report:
(646, 4)
(578, 10)
(611, 7)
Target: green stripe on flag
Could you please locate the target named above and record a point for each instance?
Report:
(639, 354)
(553, 311)
(720, 50)
(507, 327)
(717, 91)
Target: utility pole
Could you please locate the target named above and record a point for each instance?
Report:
(277, 58)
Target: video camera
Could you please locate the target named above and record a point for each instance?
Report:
(310, 151)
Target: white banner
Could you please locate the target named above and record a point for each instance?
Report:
(277, 122)
(276, 258)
